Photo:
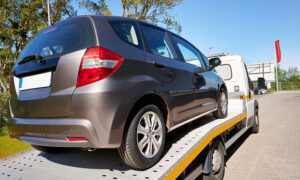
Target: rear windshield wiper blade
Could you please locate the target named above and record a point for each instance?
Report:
(34, 57)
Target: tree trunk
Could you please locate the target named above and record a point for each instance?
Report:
(3, 85)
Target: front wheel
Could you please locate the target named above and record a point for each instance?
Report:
(144, 139)
(217, 162)
(222, 105)
(255, 127)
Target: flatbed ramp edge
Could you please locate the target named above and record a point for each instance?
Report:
(106, 164)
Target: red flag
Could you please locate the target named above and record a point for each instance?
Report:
(278, 52)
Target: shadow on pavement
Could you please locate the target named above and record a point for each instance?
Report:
(235, 146)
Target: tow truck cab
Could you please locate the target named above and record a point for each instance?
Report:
(234, 72)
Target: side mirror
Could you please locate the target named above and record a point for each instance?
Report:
(214, 62)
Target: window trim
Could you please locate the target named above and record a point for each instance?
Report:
(147, 48)
(181, 55)
(138, 33)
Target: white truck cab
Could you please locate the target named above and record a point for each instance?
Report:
(234, 72)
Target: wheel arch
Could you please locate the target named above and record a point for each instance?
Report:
(150, 98)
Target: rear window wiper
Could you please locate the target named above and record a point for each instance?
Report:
(34, 57)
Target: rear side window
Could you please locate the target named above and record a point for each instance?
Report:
(62, 38)
(127, 31)
(158, 42)
(224, 70)
(189, 53)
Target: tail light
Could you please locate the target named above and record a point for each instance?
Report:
(97, 63)
(9, 80)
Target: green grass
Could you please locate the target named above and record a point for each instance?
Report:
(9, 146)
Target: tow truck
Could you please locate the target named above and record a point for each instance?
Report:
(194, 151)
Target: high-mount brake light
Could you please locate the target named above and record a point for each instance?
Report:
(96, 64)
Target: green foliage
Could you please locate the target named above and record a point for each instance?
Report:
(154, 11)
(282, 74)
(3, 131)
(3, 113)
(287, 79)
(290, 75)
(293, 74)
(98, 8)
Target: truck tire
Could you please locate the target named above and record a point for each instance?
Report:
(47, 149)
(222, 110)
(255, 127)
(217, 162)
(144, 139)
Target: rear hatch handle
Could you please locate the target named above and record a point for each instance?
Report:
(33, 57)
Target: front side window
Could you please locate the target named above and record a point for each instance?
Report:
(158, 42)
(127, 31)
(189, 53)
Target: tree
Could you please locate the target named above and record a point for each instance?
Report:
(293, 74)
(98, 8)
(282, 74)
(154, 11)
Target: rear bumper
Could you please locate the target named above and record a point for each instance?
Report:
(53, 131)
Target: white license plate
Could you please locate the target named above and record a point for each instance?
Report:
(35, 81)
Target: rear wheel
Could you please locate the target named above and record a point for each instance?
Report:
(144, 139)
(47, 149)
(217, 162)
(222, 105)
(255, 127)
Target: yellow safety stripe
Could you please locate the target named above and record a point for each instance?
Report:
(251, 97)
(184, 163)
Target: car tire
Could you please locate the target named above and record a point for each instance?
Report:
(139, 149)
(255, 127)
(220, 113)
(217, 162)
(47, 149)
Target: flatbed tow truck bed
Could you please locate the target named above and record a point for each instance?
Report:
(183, 146)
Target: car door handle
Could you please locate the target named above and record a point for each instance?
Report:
(159, 65)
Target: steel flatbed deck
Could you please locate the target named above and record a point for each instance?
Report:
(183, 146)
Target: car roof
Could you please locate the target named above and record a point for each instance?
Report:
(113, 18)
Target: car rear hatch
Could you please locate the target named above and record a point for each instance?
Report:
(45, 75)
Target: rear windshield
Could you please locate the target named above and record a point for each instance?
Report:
(62, 38)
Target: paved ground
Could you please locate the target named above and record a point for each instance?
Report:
(274, 153)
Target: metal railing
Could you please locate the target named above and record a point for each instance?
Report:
(287, 86)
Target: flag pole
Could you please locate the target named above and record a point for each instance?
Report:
(276, 73)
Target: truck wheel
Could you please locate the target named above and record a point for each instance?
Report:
(144, 140)
(47, 149)
(217, 162)
(255, 127)
(222, 105)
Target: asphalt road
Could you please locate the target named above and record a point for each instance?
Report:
(273, 153)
